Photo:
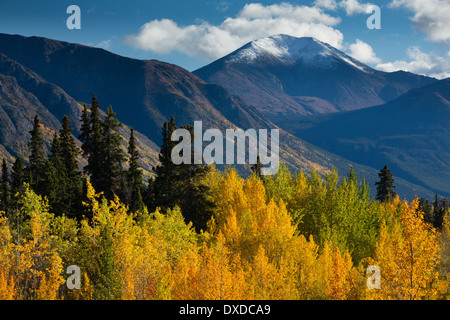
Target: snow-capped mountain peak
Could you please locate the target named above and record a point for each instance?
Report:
(288, 50)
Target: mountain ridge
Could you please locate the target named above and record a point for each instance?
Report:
(329, 80)
(145, 93)
(411, 133)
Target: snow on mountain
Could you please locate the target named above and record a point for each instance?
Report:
(287, 50)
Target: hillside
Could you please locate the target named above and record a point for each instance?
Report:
(411, 134)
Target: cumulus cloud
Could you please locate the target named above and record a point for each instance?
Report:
(430, 16)
(420, 62)
(363, 52)
(326, 4)
(253, 21)
(353, 7)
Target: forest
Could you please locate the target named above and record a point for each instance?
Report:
(195, 232)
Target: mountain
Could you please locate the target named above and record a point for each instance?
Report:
(58, 77)
(410, 133)
(284, 76)
(23, 94)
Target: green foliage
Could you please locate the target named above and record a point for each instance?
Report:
(180, 185)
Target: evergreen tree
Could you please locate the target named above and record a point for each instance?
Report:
(256, 168)
(5, 195)
(19, 175)
(85, 130)
(112, 178)
(91, 136)
(427, 209)
(385, 185)
(134, 175)
(69, 157)
(438, 213)
(37, 160)
(57, 191)
(182, 184)
(164, 186)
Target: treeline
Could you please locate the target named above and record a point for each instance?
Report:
(199, 233)
(57, 176)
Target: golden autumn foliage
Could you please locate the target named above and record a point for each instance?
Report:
(407, 254)
(264, 241)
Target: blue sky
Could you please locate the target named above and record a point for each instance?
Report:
(414, 34)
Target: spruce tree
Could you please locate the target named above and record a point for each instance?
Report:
(69, 157)
(438, 213)
(427, 209)
(19, 175)
(5, 194)
(91, 136)
(256, 168)
(165, 183)
(112, 176)
(37, 160)
(134, 176)
(180, 184)
(385, 185)
(57, 191)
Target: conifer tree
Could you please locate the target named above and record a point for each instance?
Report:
(91, 136)
(69, 154)
(385, 185)
(112, 177)
(427, 209)
(134, 175)
(166, 173)
(181, 184)
(256, 168)
(57, 179)
(5, 195)
(438, 213)
(18, 178)
(37, 160)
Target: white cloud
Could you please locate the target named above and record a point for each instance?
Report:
(430, 16)
(363, 52)
(420, 62)
(253, 21)
(326, 4)
(105, 44)
(353, 7)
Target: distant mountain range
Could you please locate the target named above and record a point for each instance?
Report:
(410, 133)
(284, 76)
(53, 78)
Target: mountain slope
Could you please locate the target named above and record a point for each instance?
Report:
(411, 134)
(24, 94)
(146, 93)
(284, 76)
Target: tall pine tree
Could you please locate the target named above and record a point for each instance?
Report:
(38, 164)
(385, 185)
(134, 176)
(5, 194)
(180, 184)
(113, 176)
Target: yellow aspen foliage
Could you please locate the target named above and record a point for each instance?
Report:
(229, 195)
(86, 292)
(301, 266)
(7, 278)
(338, 273)
(209, 276)
(443, 284)
(265, 281)
(185, 277)
(39, 266)
(407, 257)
